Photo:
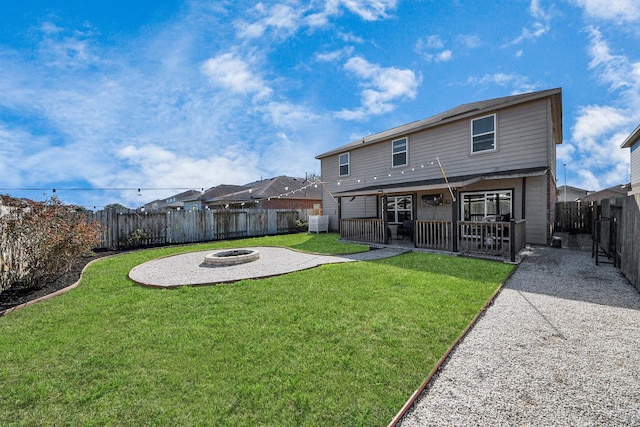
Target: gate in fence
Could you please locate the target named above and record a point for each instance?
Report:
(575, 217)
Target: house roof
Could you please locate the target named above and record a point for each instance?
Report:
(280, 186)
(176, 200)
(608, 193)
(217, 191)
(440, 183)
(632, 139)
(461, 112)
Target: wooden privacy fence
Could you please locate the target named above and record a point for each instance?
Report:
(618, 235)
(576, 217)
(629, 239)
(121, 230)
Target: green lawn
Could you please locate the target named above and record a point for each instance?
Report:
(341, 344)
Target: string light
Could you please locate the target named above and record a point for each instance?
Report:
(401, 172)
(139, 190)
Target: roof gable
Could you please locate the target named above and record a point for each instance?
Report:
(632, 139)
(463, 112)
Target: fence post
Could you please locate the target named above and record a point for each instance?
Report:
(512, 240)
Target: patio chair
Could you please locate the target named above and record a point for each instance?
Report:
(405, 229)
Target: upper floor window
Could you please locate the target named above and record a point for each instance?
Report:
(343, 161)
(483, 134)
(399, 152)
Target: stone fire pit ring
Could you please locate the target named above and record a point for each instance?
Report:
(228, 257)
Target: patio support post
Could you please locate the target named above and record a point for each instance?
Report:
(512, 239)
(385, 230)
(455, 211)
(340, 216)
(414, 216)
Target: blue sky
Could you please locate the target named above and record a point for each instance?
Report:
(99, 98)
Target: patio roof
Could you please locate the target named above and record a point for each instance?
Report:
(439, 183)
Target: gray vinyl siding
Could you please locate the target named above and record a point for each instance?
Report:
(524, 141)
(635, 168)
(537, 212)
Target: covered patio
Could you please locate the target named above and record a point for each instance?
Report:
(398, 216)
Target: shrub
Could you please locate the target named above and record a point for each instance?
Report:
(41, 240)
(134, 239)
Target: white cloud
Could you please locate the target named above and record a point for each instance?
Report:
(538, 28)
(517, 82)
(469, 41)
(444, 56)
(153, 166)
(335, 55)
(426, 45)
(235, 75)
(617, 11)
(615, 70)
(65, 48)
(600, 129)
(369, 10)
(594, 121)
(430, 42)
(282, 19)
(382, 86)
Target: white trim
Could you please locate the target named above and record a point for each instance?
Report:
(494, 132)
(484, 193)
(396, 210)
(406, 151)
(348, 164)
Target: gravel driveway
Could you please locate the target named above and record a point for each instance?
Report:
(559, 346)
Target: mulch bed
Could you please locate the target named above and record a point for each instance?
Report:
(20, 294)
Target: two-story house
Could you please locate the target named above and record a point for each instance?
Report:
(491, 161)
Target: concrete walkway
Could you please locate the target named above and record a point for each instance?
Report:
(559, 346)
(187, 269)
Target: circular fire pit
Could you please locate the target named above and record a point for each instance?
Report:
(231, 257)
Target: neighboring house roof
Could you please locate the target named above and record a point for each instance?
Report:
(280, 186)
(463, 112)
(607, 193)
(172, 202)
(217, 191)
(572, 193)
(632, 139)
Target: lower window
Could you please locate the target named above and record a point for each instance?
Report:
(487, 206)
(399, 208)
